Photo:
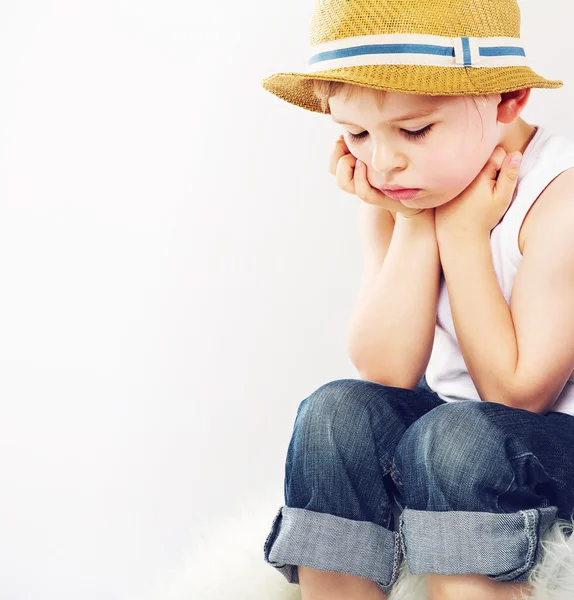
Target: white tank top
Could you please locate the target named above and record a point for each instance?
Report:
(546, 156)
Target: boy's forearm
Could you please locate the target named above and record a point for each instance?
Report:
(391, 334)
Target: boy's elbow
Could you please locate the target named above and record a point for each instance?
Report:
(377, 373)
(405, 381)
(391, 381)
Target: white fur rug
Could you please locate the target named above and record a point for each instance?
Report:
(226, 563)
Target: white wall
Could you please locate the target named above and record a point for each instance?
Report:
(177, 272)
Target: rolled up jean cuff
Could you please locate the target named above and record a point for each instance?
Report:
(330, 543)
(504, 547)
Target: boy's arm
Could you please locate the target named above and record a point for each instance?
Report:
(392, 329)
(520, 356)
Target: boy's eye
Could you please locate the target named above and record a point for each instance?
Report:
(357, 137)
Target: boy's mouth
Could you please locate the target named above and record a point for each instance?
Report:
(402, 194)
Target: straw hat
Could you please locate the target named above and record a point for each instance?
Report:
(434, 47)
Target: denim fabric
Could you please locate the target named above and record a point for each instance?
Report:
(478, 484)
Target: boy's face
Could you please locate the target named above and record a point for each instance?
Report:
(442, 163)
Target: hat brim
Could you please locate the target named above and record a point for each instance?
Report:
(297, 88)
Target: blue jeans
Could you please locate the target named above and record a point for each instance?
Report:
(478, 484)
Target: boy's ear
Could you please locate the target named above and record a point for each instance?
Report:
(512, 104)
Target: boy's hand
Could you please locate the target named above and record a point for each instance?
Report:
(482, 205)
(354, 181)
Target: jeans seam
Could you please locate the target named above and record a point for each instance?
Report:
(396, 560)
(395, 472)
(521, 455)
(531, 525)
(513, 479)
(505, 491)
(531, 520)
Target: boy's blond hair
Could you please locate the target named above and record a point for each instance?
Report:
(325, 89)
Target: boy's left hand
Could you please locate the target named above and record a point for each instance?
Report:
(481, 206)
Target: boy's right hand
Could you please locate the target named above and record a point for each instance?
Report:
(342, 165)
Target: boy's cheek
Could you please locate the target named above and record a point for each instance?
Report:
(448, 185)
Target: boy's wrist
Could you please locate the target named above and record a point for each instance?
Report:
(423, 220)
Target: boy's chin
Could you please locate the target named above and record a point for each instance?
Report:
(424, 202)
(417, 203)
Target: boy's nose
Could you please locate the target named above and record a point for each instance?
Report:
(386, 160)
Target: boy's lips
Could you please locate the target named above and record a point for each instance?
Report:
(401, 193)
(394, 188)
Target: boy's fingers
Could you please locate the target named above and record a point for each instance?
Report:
(507, 180)
(338, 152)
(354, 181)
(362, 185)
(494, 163)
(345, 173)
(366, 192)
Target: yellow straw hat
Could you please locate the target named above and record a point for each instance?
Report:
(433, 47)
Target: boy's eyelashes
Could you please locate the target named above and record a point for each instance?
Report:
(416, 135)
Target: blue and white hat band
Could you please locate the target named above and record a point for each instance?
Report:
(417, 49)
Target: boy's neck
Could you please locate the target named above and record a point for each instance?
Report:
(517, 136)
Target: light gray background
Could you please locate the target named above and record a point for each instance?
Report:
(178, 270)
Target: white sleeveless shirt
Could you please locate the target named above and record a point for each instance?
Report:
(546, 156)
